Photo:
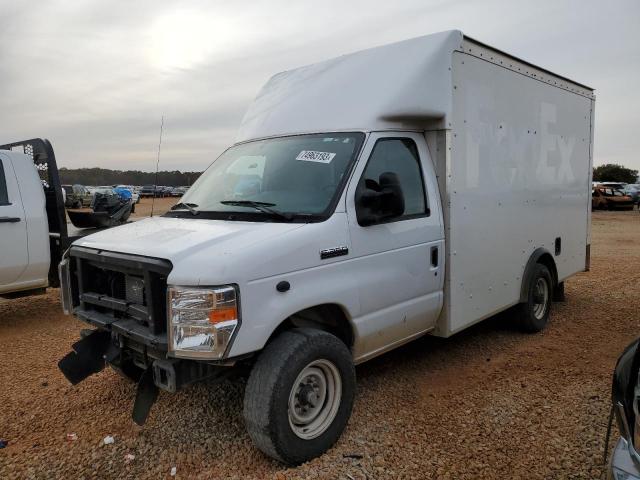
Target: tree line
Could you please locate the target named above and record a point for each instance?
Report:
(611, 172)
(104, 176)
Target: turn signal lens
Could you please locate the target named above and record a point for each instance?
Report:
(223, 314)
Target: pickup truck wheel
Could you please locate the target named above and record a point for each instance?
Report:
(299, 395)
(533, 314)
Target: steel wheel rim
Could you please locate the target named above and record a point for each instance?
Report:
(314, 399)
(541, 296)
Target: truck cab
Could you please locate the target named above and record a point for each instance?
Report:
(368, 200)
(33, 230)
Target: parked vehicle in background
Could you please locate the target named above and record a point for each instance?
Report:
(598, 200)
(33, 225)
(148, 191)
(633, 190)
(70, 200)
(109, 208)
(77, 196)
(615, 185)
(369, 200)
(625, 461)
(126, 193)
(610, 199)
(135, 196)
(158, 191)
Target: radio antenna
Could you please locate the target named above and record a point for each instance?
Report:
(155, 182)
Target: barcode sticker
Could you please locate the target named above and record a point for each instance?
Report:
(312, 156)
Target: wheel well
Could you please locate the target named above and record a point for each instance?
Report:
(543, 257)
(328, 317)
(547, 260)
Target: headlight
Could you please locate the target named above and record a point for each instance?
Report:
(202, 321)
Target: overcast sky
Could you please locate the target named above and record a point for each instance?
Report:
(95, 76)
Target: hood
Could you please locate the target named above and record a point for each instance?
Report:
(175, 239)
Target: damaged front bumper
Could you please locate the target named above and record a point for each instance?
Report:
(99, 348)
(123, 297)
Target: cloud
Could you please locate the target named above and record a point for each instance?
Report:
(96, 77)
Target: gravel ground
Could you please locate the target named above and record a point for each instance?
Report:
(160, 206)
(487, 403)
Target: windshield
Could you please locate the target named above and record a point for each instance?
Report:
(611, 192)
(298, 176)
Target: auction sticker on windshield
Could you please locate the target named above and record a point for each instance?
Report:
(312, 156)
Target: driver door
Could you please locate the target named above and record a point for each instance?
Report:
(399, 260)
(14, 257)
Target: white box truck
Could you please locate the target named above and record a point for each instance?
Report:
(415, 188)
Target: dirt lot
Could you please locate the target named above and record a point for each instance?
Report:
(143, 209)
(488, 403)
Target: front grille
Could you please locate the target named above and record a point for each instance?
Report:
(134, 289)
(124, 293)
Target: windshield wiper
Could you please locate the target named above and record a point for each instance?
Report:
(264, 207)
(188, 206)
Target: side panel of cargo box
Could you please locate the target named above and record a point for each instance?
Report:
(514, 170)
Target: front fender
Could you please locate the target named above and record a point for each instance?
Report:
(264, 308)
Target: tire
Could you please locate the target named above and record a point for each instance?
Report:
(533, 315)
(278, 379)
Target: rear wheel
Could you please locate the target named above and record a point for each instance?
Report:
(533, 314)
(299, 395)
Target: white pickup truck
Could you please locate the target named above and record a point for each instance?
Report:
(33, 228)
(410, 189)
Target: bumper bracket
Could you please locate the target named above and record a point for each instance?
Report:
(146, 396)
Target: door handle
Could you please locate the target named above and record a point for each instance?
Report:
(434, 257)
(9, 219)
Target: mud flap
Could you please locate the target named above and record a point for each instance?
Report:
(145, 397)
(87, 357)
(558, 293)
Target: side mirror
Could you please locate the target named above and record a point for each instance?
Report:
(625, 395)
(379, 201)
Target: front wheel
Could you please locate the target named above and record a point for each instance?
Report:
(533, 314)
(299, 395)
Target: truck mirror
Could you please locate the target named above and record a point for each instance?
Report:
(381, 201)
(625, 380)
